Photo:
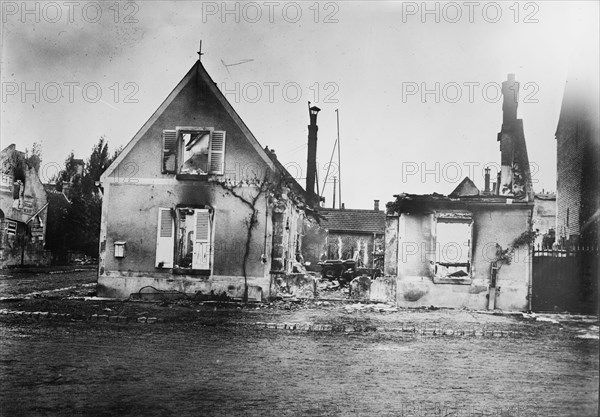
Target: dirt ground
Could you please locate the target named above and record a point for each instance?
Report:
(221, 359)
(16, 282)
(107, 369)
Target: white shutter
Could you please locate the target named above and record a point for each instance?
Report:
(169, 152)
(165, 239)
(202, 234)
(216, 156)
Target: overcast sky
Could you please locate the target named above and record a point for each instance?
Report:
(114, 63)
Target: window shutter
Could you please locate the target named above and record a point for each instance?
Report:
(216, 157)
(165, 239)
(169, 153)
(201, 256)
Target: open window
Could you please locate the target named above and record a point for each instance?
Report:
(193, 152)
(193, 239)
(184, 240)
(453, 246)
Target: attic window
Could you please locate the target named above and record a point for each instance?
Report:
(193, 152)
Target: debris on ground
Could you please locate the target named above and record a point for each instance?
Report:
(547, 320)
(379, 307)
(590, 333)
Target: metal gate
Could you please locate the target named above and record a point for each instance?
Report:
(565, 280)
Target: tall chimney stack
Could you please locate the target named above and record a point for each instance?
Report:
(486, 190)
(510, 91)
(311, 163)
(376, 205)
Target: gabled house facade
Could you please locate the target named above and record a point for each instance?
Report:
(194, 204)
(471, 248)
(23, 212)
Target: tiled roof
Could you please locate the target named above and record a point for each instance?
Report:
(356, 221)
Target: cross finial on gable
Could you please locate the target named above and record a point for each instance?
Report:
(200, 53)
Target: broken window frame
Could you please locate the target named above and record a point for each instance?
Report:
(181, 131)
(456, 218)
(173, 152)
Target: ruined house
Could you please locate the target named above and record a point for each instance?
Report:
(195, 205)
(348, 234)
(23, 212)
(469, 248)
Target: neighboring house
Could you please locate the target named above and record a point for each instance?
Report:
(544, 219)
(447, 250)
(353, 234)
(578, 165)
(23, 211)
(195, 204)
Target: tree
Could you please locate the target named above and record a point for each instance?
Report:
(69, 175)
(82, 216)
(33, 156)
(97, 163)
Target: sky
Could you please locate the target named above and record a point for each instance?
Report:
(415, 85)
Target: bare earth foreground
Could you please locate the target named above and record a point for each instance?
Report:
(218, 361)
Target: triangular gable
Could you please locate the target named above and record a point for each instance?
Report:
(466, 188)
(196, 70)
(233, 114)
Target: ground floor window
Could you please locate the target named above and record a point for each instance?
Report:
(453, 246)
(184, 239)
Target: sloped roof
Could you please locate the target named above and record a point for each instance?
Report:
(465, 188)
(353, 221)
(285, 173)
(195, 72)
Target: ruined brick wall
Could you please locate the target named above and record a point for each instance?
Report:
(569, 157)
(287, 237)
(578, 167)
(391, 245)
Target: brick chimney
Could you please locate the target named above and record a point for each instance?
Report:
(311, 163)
(376, 205)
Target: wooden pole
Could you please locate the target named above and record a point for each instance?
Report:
(339, 156)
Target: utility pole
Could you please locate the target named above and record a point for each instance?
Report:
(334, 183)
(339, 152)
